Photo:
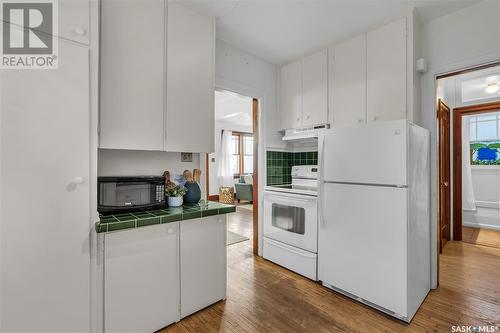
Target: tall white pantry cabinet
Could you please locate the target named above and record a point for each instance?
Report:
(157, 77)
(371, 77)
(48, 135)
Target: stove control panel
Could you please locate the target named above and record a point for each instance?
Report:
(305, 171)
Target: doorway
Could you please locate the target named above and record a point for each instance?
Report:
(483, 114)
(234, 164)
(469, 103)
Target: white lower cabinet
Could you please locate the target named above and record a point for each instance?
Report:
(141, 278)
(156, 275)
(203, 263)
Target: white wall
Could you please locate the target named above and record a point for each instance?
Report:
(486, 183)
(114, 162)
(240, 67)
(458, 40)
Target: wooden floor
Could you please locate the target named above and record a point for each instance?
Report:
(264, 297)
(483, 237)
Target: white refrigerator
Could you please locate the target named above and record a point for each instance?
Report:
(374, 235)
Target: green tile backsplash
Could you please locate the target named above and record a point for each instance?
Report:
(279, 165)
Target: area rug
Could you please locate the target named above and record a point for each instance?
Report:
(246, 207)
(233, 238)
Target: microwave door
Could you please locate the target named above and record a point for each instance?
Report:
(133, 195)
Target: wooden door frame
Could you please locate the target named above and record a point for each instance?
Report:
(457, 115)
(440, 180)
(255, 177)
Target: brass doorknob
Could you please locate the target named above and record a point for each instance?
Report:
(444, 184)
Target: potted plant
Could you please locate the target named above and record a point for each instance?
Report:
(175, 195)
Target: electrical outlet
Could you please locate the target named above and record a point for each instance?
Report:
(186, 157)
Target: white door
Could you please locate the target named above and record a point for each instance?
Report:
(45, 214)
(348, 88)
(386, 72)
(190, 81)
(291, 95)
(370, 154)
(315, 89)
(203, 263)
(362, 243)
(132, 74)
(291, 219)
(141, 278)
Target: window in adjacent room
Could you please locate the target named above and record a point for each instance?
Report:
(485, 139)
(242, 153)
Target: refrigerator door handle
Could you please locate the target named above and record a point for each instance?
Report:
(321, 182)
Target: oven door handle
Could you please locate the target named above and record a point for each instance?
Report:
(321, 182)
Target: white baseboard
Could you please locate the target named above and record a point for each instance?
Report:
(480, 225)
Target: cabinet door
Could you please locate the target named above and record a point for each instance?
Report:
(74, 20)
(349, 83)
(132, 74)
(386, 72)
(203, 263)
(141, 278)
(291, 95)
(45, 145)
(190, 74)
(315, 89)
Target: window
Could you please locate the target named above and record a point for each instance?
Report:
(485, 139)
(242, 153)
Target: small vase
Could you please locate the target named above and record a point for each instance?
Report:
(193, 194)
(174, 201)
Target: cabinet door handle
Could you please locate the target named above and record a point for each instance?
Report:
(78, 180)
(79, 31)
(298, 119)
(374, 118)
(360, 120)
(307, 117)
(170, 231)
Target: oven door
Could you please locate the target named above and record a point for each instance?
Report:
(291, 219)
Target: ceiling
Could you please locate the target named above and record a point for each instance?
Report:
(233, 109)
(280, 31)
(474, 86)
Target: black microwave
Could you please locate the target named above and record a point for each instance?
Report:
(128, 194)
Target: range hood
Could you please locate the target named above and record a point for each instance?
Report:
(303, 134)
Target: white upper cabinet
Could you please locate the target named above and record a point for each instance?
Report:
(348, 83)
(157, 77)
(315, 89)
(291, 95)
(190, 117)
(386, 72)
(304, 91)
(74, 20)
(132, 74)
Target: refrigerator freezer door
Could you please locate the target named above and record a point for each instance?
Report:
(362, 243)
(371, 154)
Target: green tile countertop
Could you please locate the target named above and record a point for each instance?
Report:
(160, 216)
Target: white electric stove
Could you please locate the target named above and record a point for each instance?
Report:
(291, 222)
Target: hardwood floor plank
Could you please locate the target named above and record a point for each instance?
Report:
(264, 297)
